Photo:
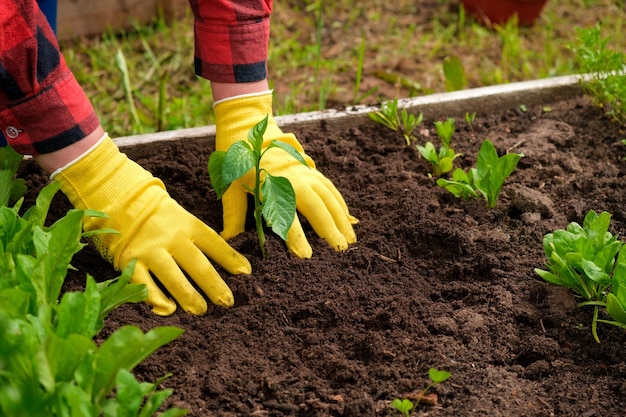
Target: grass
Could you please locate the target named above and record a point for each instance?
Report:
(325, 54)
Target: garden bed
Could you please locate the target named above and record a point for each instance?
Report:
(433, 281)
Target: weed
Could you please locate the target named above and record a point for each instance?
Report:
(606, 69)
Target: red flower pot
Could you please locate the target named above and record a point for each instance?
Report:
(498, 12)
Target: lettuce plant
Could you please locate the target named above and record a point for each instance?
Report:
(589, 260)
(278, 207)
(486, 179)
(50, 364)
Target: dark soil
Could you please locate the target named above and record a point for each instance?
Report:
(432, 282)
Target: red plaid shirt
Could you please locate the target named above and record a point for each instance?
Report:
(44, 109)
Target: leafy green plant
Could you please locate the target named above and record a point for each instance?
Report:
(278, 207)
(398, 121)
(404, 406)
(49, 362)
(11, 188)
(606, 70)
(441, 160)
(486, 179)
(589, 260)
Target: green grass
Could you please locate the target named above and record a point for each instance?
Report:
(325, 54)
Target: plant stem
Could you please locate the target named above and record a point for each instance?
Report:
(594, 324)
(258, 214)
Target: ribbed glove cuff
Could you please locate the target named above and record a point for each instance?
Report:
(235, 116)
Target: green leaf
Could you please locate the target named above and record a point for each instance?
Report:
(404, 406)
(428, 152)
(290, 149)
(37, 214)
(492, 171)
(239, 159)
(438, 376)
(255, 135)
(124, 349)
(119, 291)
(279, 204)
(615, 308)
(62, 355)
(445, 130)
(216, 166)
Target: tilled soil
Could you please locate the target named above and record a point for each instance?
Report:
(433, 281)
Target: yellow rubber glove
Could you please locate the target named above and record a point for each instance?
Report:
(156, 230)
(317, 199)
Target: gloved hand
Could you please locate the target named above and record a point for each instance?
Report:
(317, 199)
(153, 228)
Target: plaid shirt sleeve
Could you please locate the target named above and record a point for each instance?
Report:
(231, 39)
(42, 106)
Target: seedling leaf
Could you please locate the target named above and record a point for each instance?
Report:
(279, 204)
(438, 376)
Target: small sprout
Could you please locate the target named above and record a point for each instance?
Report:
(486, 179)
(469, 119)
(405, 405)
(523, 108)
(398, 121)
(442, 161)
(279, 199)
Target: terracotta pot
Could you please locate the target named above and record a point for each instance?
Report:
(498, 12)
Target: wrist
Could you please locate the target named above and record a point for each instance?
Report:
(57, 160)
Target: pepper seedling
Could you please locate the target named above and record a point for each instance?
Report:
(486, 179)
(441, 161)
(583, 259)
(274, 196)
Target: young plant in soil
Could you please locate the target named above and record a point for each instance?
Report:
(398, 121)
(50, 364)
(486, 179)
(589, 260)
(442, 160)
(405, 405)
(606, 69)
(274, 197)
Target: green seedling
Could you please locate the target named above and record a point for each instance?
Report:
(583, 259)
(274, 197)
(469, 119)
(441, 161)
(606, 70)
(404, 406)
(398, 121)
(486, 179)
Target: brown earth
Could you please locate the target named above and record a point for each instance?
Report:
(432, 282)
